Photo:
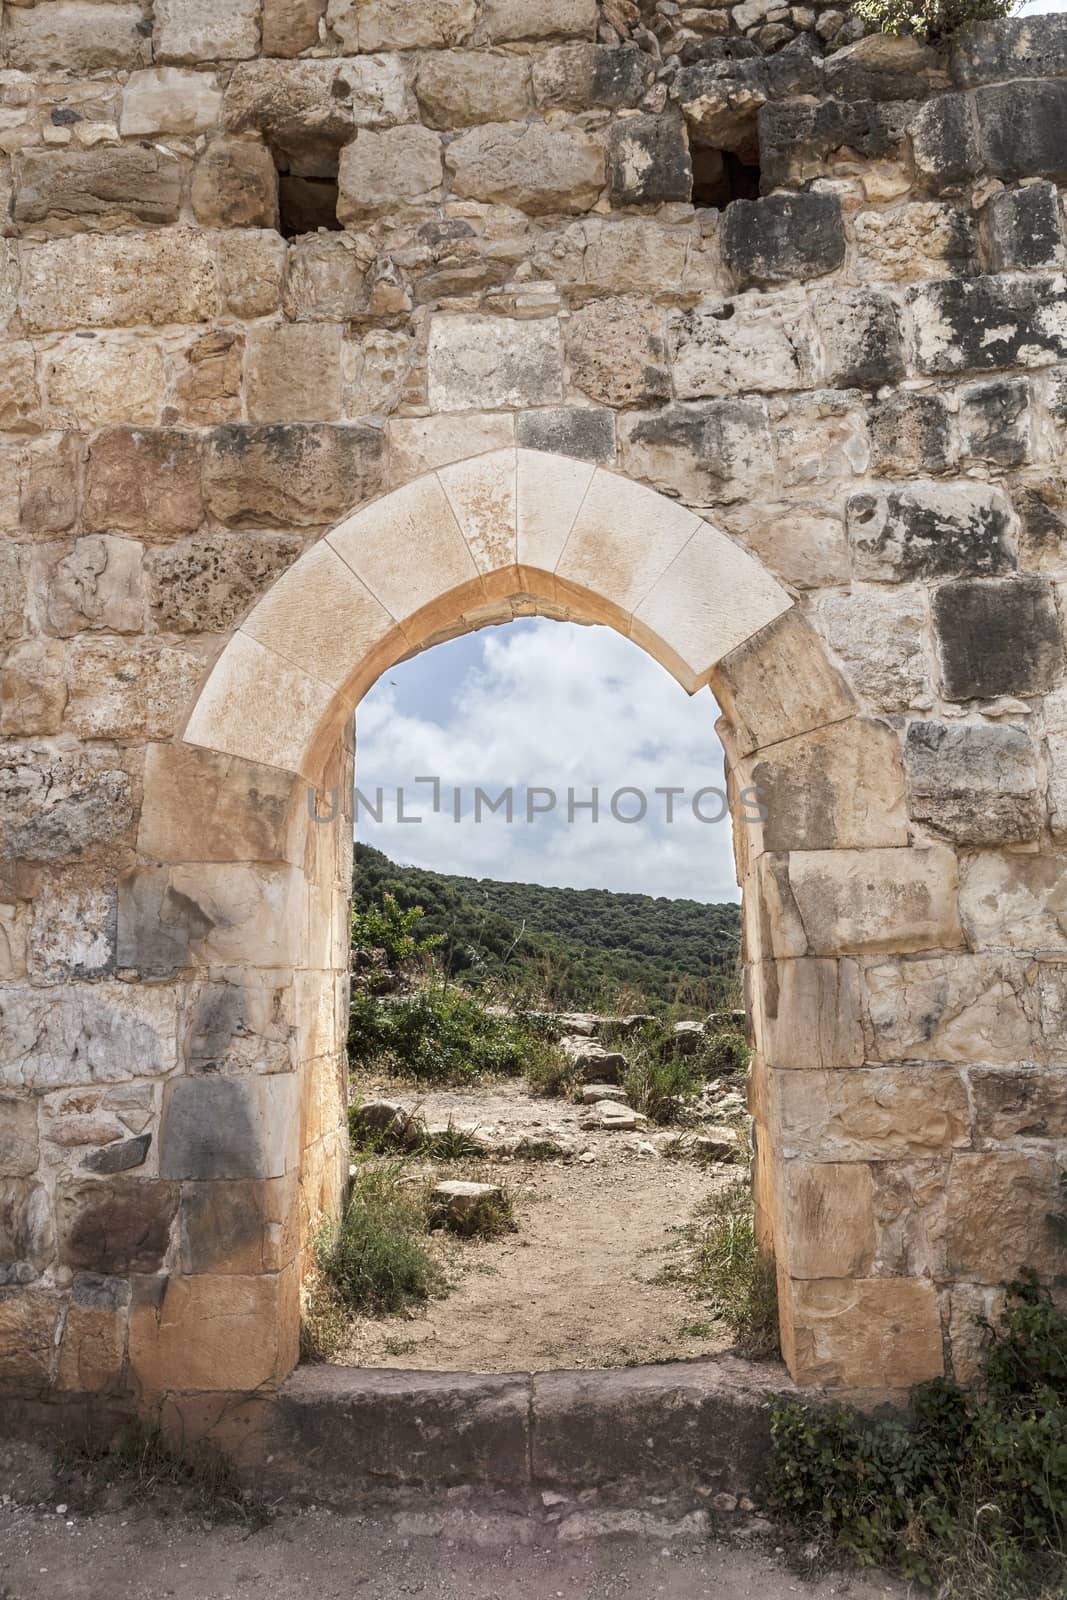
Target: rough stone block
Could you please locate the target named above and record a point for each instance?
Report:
(616, 352)
(911, 433)
(945, 141)
(1022, 47)
(540, 19)
(169, 100)
(862, 1333)
(235, 185)
(91, 1033)
(215, 1332)
(208, 583)
(998, 1216)
(839, 786)
(477, 361)
(1013, 902)
(117, 281)
(807, 1014)
(921, 239)
(832, 1230)
(1018, 1102)
(995, 422)
(1020, 135)
(217, 1127)
(244, 1227)
(115, 1226)
(297, 475)
(648, 160)
(202, 30)
(73, 931)
(144, 479)
(779, 684)
(975, 783)
(327, 281)
(960, 1008)
(97, 382)
(13, 594)
(870, 900)
(64, 36)
(306, 110)
(28, 1319)
(573, 77)
(243, 1027)
(929, 530)
(60, 803)
(183, 916)
(528, 165)
(19, 1147)
(33, 688)
(99, 583)
(207, 807)
(981, 324)
(997, 637)
(294, 373)
(1022, 229)
(585, 432)
(118, 691)
(878, 636)
(783, 237)
(100, 188)
(207, 388)
(705, 454)
(290, 26)
(20, 397)
(860, 337)
(396, 167)
(464, 87)
(367, 25)
(762, 343)
(871, 1114)
(252, 266)
(93, 1353)
(27, 1236)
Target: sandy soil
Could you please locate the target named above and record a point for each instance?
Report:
(575, 1285)
(140, 1556)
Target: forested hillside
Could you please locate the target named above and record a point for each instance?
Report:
(569, 947)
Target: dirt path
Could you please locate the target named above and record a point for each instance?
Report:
(138, 1556)
(575, 1285)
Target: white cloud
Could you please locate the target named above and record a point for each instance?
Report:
(556, 706)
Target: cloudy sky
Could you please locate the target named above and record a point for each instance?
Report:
(553, 706)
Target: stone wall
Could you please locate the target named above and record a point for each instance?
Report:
(859, 379)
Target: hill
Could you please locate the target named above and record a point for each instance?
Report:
(568, 947)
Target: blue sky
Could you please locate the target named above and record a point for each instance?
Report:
(557, 706)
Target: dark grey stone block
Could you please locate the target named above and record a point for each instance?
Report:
(122, 1156)
(911, 433)
(238, 1127)
(1010, 48)
(620, 76)
(782, 238)
(157, 924)
(929, 531)
(975, 783)
(1021, 228)
(982, 324)
(648, 160)
(1021, 130)
(944, 141)
(115, 1226)
(860, 336)
(997, 637)
(585, 432)
(786, 128)
(1042, 528)
(995, 421)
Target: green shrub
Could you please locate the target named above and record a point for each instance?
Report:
(930, 19)
(386, 942)
(660, 1088)
(724, 1055)
(374, 1258)
(968, 1490)
(436, 1034)
(549, 1074)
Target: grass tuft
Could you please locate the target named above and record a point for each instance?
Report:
(373, 1258)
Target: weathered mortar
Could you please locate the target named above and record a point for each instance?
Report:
(860, 378)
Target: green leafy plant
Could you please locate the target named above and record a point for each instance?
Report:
(549, 1074)
(386, 942)
(930, 20)
(451, 1143)
(374, 1258)
(438, 1033)
(968, 1490)
(733, 1276)
(660, 1088)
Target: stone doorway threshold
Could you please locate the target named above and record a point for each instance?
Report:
(680, 1433)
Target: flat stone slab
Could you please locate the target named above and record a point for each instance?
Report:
(595, 1093)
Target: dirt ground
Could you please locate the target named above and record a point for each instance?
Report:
(140, 1556)
(575, 1285)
